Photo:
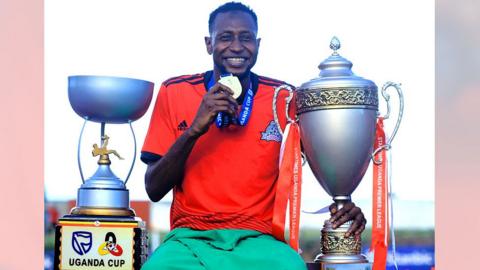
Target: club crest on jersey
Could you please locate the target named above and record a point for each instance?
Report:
(271, 133)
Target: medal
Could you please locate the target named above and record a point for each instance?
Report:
(223, 119)
(233, 83)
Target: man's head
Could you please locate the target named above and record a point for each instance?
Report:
(233, 39)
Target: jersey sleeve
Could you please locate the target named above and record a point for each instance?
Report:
(161, 134)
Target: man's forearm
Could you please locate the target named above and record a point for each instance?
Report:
(164, 174)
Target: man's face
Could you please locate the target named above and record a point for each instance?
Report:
(233, 43)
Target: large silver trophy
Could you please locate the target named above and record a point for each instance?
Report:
(337, 114)
(102, 231)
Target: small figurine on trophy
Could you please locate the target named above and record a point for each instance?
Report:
(102, 218)
(103, 151)
(337, 116)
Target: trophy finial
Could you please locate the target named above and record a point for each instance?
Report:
(335, 45)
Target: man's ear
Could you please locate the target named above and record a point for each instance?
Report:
(208, 44)
(258, 42)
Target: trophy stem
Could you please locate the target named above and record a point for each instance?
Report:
(102, 132)
(340, 201)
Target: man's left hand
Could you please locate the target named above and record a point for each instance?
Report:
(348, 212)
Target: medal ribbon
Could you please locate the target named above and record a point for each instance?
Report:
(224, 120)
(289, 186)
(380, 224)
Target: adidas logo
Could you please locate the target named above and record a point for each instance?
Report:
(183, 125)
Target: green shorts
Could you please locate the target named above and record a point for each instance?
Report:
(187, 249)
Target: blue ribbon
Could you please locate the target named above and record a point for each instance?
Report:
(223, 119)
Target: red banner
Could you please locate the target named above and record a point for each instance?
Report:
(289, 185)
(380, 203)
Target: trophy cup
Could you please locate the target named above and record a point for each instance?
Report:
(337, 115)
(102, 231)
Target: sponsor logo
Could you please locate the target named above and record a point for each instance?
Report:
(271, 133)
(81, 242)
(110, 246)
(182, 126)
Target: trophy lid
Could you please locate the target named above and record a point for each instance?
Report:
(336, 71)
(336, 86)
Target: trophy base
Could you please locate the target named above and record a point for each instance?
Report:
(338, 249)
(93, 211)
(89, 242)
(338, 266)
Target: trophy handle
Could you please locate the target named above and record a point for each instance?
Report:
(274, 105)
(289, 120)
(134, 152)
(386, 96)
(78, 150)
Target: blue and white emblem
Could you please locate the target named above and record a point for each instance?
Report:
(271, 133)
(81, 242)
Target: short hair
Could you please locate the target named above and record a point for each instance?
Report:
(228, 7)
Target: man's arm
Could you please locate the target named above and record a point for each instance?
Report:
(162, 175)
(167, 172)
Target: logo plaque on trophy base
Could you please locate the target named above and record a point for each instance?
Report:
(102, 231)
(87, 242)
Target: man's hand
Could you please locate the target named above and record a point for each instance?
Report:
(348, 212)
(218, 99)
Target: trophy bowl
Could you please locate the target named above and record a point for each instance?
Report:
(338, 144)
(107, 99)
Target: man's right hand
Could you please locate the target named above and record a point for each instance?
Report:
(218, 99)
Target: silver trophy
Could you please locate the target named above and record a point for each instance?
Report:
(337, 114)
(102, 223)
(112, 100)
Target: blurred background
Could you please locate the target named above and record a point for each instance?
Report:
(457, 86)
(153, 40)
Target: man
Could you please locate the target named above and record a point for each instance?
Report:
(222, 169)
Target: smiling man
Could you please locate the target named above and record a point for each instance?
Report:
(233, 43)
(220, 157)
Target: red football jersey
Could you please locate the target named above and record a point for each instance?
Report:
(230, 175)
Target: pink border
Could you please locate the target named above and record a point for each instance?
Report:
(21, 136)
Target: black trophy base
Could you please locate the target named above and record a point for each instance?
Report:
(100, 242)
(338, 266)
